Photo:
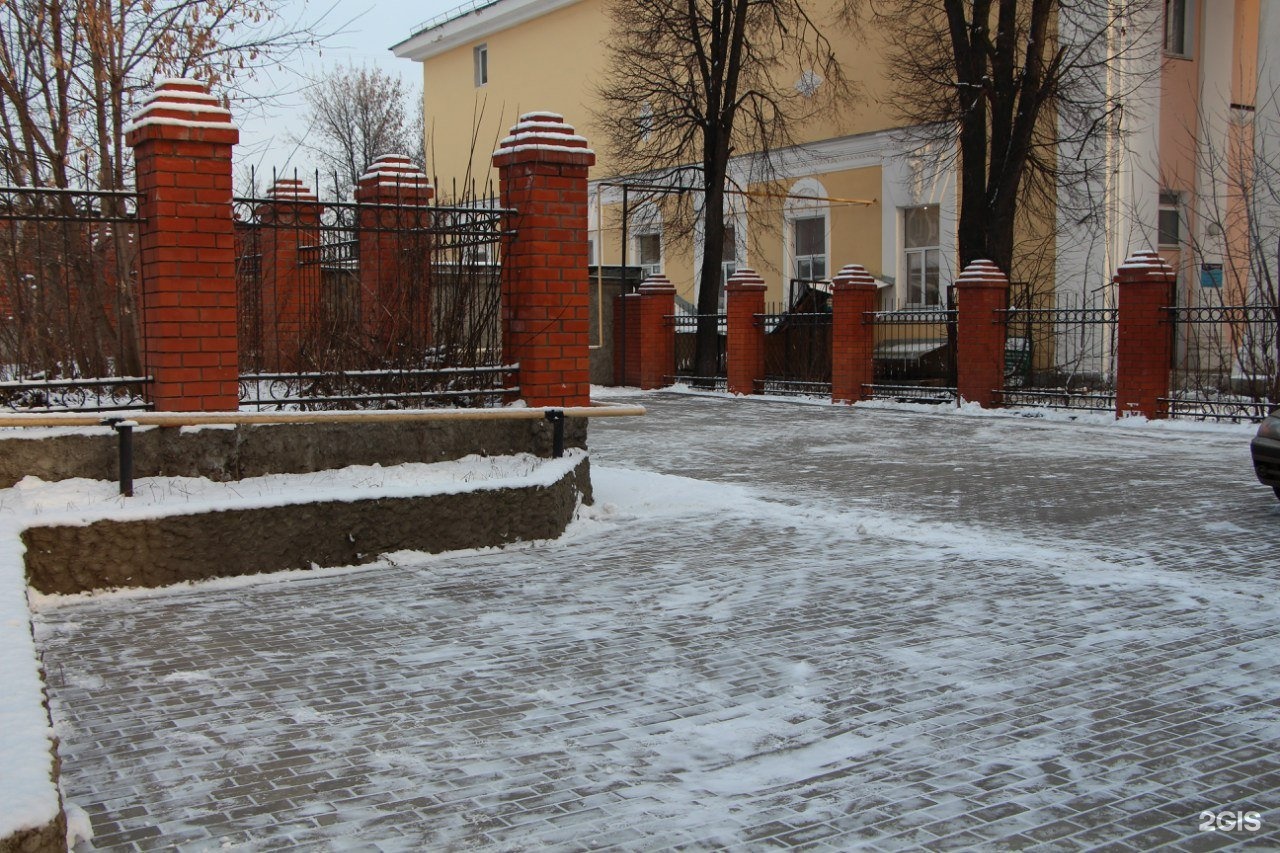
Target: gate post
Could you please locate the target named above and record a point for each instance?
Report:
(1144, 332)
(982, 294)
(290, 299)
(182, 140)
(394, 197)
(542, 170)
(853, 296)
(626, 340)
(657, 334)
(744, 299)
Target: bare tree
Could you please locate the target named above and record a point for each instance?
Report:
(71, 74)
(1023, 91)
(691, 83)
(356, 114)
(1235, 242)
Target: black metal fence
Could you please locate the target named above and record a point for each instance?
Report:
(1226, 358)
(914, 356)
(70, 301)
(1060, 350)
(797, 351)
(685, 328)
(359, 305)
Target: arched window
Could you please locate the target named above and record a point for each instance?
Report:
(646, 240)
(807, 244)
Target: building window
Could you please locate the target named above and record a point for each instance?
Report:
(922, 255)
(809, 236)
(649, 253)
(728, 259)
(1177, 26)
(1169, 226)
(645, 122)
(481, 55)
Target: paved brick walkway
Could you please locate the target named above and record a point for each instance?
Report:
(1068, 644)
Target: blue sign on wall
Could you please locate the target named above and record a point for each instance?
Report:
(1211, 275)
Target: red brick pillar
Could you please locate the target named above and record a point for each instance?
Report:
(982, 293)
(394, 197)
(853, 296)
(657, 332)
(744, 299)
(1144, 331)
(626, 339)
(542, 170)
(182, 140)
(290, 287)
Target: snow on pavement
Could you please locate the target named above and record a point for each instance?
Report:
(820, 643)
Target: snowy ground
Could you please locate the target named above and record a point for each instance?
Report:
(834, 629)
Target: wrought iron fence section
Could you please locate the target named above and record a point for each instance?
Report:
(350, 289)
(685, 329)
(1233, 410)
(109, 394)
(1226, 358)
(70, 301)
(1070, 316)
(42, 204)
(912, 316)
(477, 387)
(1225, 314)
(1085, 401)
(1060, 350)
(797, 353)
(913, 357)
(930, 394)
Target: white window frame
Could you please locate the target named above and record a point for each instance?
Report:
(728, 268)
(649, 269)
(646, 221)
(1170, 202)
(799, 261)
(910, 288)
(480, 61)
(1187, 9)
(806, 200)
(645, 121)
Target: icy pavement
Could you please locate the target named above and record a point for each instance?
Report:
(831, 639)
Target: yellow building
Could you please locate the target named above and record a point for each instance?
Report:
(853, 190)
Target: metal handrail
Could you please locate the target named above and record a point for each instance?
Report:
(456, 12)
(172, 419)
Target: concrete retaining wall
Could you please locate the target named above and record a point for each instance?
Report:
(170, 549)
(50, 838)
(233, 453)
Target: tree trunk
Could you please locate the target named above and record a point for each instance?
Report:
(707, 341)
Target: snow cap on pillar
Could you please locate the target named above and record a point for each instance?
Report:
(1144, 265)
(395, 174)
(290, 189)
(851, 275)
(290, 199)
(982, 273)
(182, 109)
(546, 137)
(745, 279)
(657, 283)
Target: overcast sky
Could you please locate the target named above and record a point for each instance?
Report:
(368, 30)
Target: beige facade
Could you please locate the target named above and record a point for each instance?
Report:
(486, 66)
(852, 191)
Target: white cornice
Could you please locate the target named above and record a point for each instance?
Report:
(812, 159)
(474, 26)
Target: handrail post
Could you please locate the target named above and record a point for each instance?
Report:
(557, 433)
(124, 434)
